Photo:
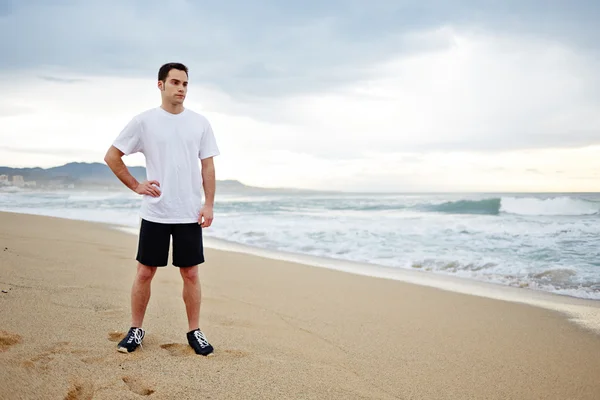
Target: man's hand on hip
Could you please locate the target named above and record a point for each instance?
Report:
(148, 188)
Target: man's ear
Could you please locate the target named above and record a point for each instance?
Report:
(160, 85)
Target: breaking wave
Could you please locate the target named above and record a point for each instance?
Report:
(487, 206)
(565, 205)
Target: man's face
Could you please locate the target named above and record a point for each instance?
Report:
(174, 89)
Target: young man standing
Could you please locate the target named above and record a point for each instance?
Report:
(172, 139)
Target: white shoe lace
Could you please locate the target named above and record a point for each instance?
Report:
(201, 338)
(137, 336)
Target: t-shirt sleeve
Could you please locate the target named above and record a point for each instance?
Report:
(208, 143)
(129, 140)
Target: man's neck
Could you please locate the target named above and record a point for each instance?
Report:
(172, 108)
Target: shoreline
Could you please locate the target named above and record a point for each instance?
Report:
(435, 278)
(583, 312)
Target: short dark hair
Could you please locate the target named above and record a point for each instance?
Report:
(163, 72)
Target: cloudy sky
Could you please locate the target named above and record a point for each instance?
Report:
(443, 95)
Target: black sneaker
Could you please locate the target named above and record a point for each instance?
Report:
(132, 340)
(198, 341)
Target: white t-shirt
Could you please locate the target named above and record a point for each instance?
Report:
(172, 144)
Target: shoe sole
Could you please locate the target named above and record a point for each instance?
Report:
(122, 350)
(212, 353)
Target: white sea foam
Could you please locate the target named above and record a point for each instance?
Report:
(518, 241)
(563, 205)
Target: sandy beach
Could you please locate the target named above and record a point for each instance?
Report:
(281, 330)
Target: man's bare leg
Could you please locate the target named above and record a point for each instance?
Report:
(140, 296)
(191, 295)
(140, 293)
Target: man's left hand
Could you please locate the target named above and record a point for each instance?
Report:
(206, 216)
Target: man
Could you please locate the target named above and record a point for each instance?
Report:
(172, 139)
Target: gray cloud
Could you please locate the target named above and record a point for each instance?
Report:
(259, 52)
(269, 48)
(5, 8)
(60, 80)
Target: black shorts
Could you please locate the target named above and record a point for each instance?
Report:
(155, 239)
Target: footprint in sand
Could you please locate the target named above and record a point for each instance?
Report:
(137, 386)
(80, 391)
(40, 362)
(8, 339)
(115, 336)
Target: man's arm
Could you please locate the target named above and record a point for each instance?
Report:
(208, 181)
(113, 159)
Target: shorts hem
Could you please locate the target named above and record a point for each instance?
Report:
(151, 264)
(188, 265)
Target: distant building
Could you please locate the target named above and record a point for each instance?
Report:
(4, 180)
(18, 181)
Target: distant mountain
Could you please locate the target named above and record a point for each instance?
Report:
(94, 175)
(92, 171)
(79, 174)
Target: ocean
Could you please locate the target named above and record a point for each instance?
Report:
(542, 242)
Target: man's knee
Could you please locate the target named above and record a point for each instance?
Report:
(145, 273)
(189, 273)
